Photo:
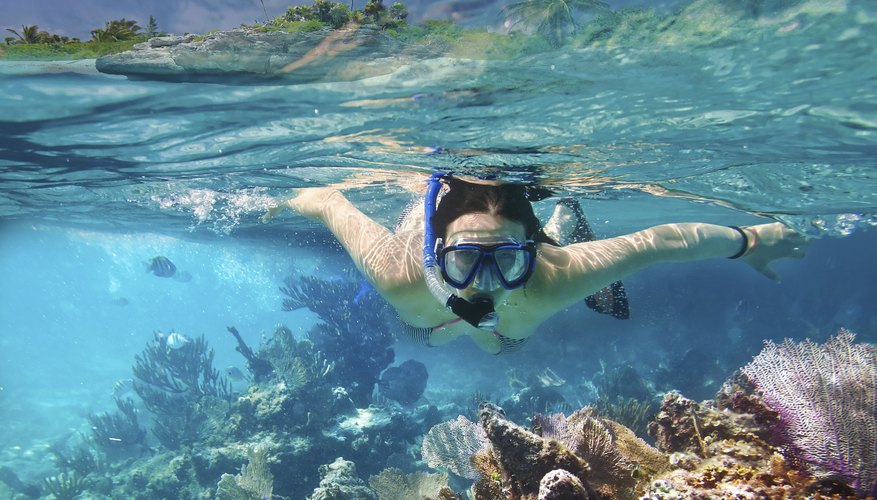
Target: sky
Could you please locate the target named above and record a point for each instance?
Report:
(80, 17)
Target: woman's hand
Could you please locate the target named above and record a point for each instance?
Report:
(309, 202)
(769, 242)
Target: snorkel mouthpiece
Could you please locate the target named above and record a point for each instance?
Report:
(479, 313)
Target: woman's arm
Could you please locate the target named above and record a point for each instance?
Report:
(570, 273)
(383, 258)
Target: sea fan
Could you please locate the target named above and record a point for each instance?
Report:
(826, 396)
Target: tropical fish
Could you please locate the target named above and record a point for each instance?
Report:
(235, 373)
(177, 340)
(161, 267)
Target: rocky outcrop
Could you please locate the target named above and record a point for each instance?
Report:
(322, 55)
(518, 462)
(339, 482)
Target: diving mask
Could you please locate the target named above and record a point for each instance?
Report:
(486, 264)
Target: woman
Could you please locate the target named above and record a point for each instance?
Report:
(501, 276)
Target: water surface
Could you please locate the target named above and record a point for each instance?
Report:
(100, 173)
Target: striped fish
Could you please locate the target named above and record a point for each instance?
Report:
(161, 267)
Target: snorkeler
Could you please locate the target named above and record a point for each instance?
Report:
(476, 261)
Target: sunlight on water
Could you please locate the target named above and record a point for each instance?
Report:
(639, 118)
(102, 177)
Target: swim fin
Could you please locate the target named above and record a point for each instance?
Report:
(568, 225)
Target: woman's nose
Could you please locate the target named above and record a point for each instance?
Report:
(485, 279)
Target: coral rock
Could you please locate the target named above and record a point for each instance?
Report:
(524, 457)
(339, 482)
(675, 427)
(561, 485)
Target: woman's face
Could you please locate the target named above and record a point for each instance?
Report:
(483, 228)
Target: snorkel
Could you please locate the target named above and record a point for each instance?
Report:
(480, 313)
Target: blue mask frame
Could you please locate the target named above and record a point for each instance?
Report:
(486, 256)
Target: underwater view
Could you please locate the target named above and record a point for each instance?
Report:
(178, 323)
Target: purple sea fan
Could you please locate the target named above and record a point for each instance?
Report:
(826, 396)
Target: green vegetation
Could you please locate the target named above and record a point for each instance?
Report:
(32, 34)
(554, 23)
(554, 19)
(117, 31)
(65, 51)
(116, 36)
(326, 14)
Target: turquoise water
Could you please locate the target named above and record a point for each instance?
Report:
(98, 174)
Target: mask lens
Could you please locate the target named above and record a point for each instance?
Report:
(511, 263)
(460, 263)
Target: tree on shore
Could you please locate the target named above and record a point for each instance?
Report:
(554, 19)
(117, 31)
(29, 34)
(151, 28)
(33, 35)
(337, 15)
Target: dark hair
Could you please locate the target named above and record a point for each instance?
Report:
(511, 201)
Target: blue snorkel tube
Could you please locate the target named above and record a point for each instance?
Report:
(481, 313)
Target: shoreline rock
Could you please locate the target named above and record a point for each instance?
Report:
(322, 55)
(41, 67)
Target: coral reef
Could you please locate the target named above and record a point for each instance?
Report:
(393, 484)
(82, 458)
(259, 368)
(826, 399)
(624, 396)
(176, 383)
(255, 480)
(339, 481)
(355, 337)
(715, 449)
(632, 413)
(171, 374)
(561, 485)
(64, 486)
(564, 456)
(118, 433)
(613, 452)
(294, 419)
(521, 458)
(534, 393)
(723, 449)
(450, 445)
(302, 410)
(293, 398)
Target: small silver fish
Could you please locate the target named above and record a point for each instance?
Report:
(177, 340)
(235, 373)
